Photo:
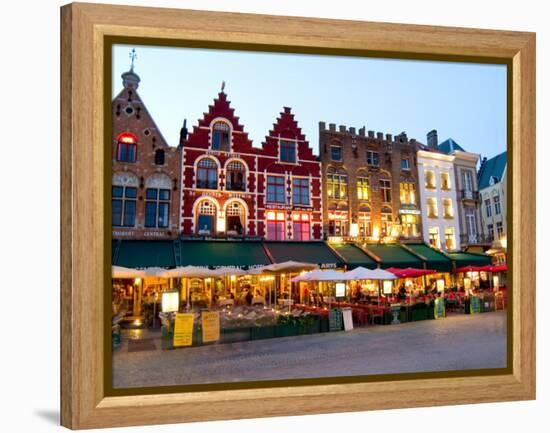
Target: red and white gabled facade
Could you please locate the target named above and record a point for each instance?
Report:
(231, 188)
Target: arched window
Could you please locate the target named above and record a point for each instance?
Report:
(126, 147)
(235, 176)
(337, 183)
(159, 157)
(387, 221)
(235, 218)
(221, 136)
(206, 217)
(207, 174)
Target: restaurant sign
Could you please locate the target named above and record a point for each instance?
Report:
(475, 305)
(183, 330)
(210, 321)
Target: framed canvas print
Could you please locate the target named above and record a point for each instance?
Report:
(312, 215)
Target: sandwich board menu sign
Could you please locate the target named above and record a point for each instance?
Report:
(183, 330)
(335, 320)
(210, 321)
(348, 319)
(475, 305)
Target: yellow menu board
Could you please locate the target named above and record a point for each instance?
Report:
(183, 330)
(210, 326)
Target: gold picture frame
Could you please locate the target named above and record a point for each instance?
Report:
(85, 259)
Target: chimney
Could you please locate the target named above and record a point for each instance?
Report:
(432, 139)
(183, 132)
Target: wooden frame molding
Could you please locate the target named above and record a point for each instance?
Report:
(84, 227)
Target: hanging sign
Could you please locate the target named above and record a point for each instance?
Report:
(439, 308)
(210, 326)
(183, 330)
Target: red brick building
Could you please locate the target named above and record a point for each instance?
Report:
(146, 171)
(233, 189)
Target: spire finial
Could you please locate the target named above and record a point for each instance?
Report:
(223, 85)
(133, 57)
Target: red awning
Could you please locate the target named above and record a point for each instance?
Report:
(470, 269)
(410, 272)
(494, 268)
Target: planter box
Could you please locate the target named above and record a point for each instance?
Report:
(286, 330)
(323, 324)
(262, 332)
(419, 314)
(235, 335)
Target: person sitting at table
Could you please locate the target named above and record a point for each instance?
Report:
(402, 294)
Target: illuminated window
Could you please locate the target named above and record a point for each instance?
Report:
(409, 226)
(301, 226)
(445, 181)
(373, 158)
(429, 176)
(221, 136)
(447, 208)
(207, 174)
(386, 222)
(432, 207)
(123, 206)
(364, 224)
(276, 189)
(235, 176)
(206, 217)
(407, 193)
(433, 236)
(276, 226)
(300, 191)
(337, 185)
(449, 238)
(127, 147)
(287, 151)
(338, 224)
(385, 190)
(235, 216)
(363, 188)
(157, 207)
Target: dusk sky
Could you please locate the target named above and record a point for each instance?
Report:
(464, 101)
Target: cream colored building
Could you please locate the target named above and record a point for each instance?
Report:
(437, 186)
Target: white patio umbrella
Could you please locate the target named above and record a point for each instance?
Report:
(122, 272)
(156, 271)
(191, 272)
(288, 267)
(228, 270)
(361, 273)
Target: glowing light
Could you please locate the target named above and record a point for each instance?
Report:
(233, 278)
(170, 301)
(354, 229)
(440, 285)
(503, 242)
(376, 232)
(220, 225)
(387, 287)
(137, 281)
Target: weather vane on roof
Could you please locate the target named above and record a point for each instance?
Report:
(223, 85)
(133, 56)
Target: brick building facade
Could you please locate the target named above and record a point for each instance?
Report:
(233, 189)
(145, 171)
(370, 185)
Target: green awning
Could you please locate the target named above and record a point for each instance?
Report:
(434, 259)
(143, 254)
(394, 256)
(470, 259)
(242, 254)
(354, 256)
(310, 252)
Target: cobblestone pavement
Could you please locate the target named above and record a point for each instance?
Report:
(459, 342)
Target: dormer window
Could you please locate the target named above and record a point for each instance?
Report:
(221, 136)
(126, 147)
(287, 151)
